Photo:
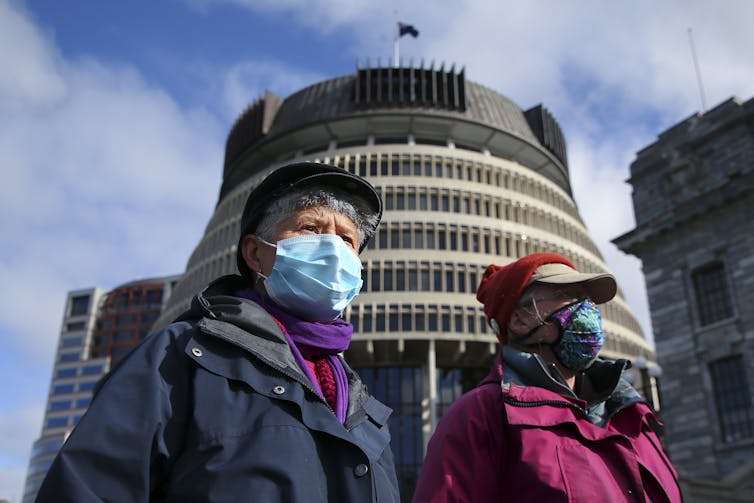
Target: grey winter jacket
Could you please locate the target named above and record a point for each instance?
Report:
(213, 408)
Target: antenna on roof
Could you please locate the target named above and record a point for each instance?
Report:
(698, 72)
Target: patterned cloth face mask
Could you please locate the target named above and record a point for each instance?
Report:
(581, 337)
(315, 276)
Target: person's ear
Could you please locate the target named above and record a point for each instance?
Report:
(517, 323)
(250, 252)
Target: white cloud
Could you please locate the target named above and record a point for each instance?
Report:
(105, 179)
(248, 80)
(321, 14)
(102, 181)
(29, 77)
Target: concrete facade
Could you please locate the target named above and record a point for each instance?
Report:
(694, 204)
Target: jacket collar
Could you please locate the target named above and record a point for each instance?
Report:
(233, 319)
(603, 389)
(247, 325)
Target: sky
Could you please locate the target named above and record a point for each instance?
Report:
(113, 118)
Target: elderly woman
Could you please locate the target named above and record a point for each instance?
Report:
(552, 421)
(246, 396)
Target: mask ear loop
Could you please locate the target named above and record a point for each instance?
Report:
(542, 322)
(274, 245)
(260, 277)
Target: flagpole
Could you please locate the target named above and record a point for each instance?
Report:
(698, 72)
(396, 37)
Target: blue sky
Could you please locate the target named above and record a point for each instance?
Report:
(113, 118)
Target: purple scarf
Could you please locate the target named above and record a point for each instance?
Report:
(309, 339)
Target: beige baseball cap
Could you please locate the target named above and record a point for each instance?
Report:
(600, 287)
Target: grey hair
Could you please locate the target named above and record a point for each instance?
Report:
(335, 200)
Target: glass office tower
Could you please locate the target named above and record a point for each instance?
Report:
(98, 329)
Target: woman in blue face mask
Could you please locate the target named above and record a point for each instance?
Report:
(247, 396)
(300, 250)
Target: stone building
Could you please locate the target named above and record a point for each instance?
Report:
(468, 178)
(693, 196)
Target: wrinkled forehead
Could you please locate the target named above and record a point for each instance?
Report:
(320, 214)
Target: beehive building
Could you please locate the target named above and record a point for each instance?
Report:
(467, 177)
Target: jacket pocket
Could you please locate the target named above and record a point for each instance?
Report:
(586, 477)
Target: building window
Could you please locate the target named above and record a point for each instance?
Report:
(62, 389)
(123, 335)
(92, 370)
(125, 319)
(453, 382)
(712, 294)
(401, 389)
(46, 447)
(75, 327)
(734, 404)
(68, 357)
(60, 405)
(56, 422)
(154, 298)
(79, 305)
(87, 386)
(149, 317)
(65, 373)
(72, 341)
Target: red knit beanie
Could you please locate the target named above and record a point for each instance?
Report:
(502, 286)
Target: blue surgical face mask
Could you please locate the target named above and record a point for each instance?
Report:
(315, 276)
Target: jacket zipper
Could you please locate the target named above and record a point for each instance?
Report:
(538, 403)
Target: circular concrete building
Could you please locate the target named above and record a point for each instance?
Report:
(467, 177)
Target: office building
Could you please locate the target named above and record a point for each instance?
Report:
(693, 196)
(98, 329)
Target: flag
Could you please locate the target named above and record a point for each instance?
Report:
(407, 29)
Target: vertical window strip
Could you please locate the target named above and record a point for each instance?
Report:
(733, 396)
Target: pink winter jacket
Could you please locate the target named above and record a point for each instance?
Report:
(525, 443)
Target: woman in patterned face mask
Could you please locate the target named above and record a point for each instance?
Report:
(247, 396)
(552, 421)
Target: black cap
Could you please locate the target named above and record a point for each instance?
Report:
(295, 176)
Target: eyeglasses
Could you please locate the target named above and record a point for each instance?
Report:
(544, 320)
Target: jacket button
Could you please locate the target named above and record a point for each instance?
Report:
(629, 492)
(360, 470)
(278, 390)
(196, 352)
